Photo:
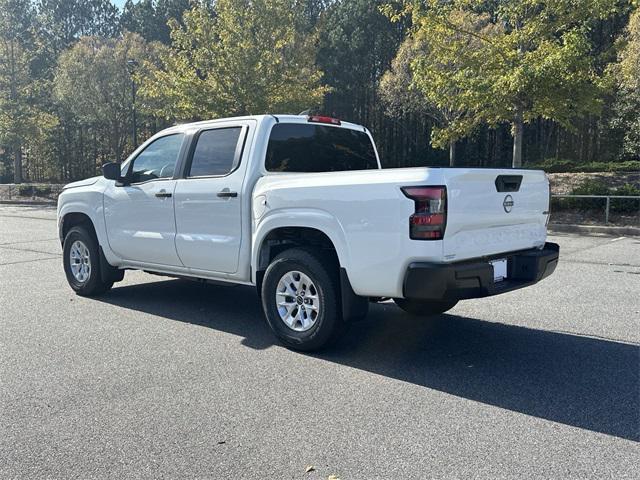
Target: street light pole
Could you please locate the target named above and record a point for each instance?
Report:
(135, 120)
(131, 66)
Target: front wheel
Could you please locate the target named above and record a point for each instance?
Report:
(81, 260)
(300, 298)
(424, 308)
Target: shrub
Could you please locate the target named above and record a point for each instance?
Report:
(626, 206)
(592, 187)
(554, 165)
(25, 190)
(42, 190)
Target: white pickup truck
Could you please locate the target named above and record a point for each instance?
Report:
(300, 208)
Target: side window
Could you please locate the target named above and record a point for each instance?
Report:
(158, 160)
(215, 153)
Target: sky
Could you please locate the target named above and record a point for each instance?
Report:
(118, 3)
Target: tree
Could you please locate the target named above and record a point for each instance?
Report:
(21, 116)
(93, 87)
(63, 22)
(150, 18)
(627, 75)
(312, 11)
(520, 61)
(357, 45)
(404, 93)
(247, 57)
(356, 34)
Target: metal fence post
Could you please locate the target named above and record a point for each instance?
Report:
(606, 216)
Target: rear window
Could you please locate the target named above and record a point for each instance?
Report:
(318, 148)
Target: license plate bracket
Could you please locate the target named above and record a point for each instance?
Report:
(499, 269)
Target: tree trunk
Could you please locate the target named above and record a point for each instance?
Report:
(452, 153)
(517, 132)
(17, 165)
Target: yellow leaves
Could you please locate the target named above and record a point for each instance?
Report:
(629, 59)
(530, 55)
(245, 59)
(397, 10)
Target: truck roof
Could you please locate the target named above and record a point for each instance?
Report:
(285, 118)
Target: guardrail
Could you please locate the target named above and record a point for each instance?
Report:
(608, 204)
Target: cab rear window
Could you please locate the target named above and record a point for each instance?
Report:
(318, 148)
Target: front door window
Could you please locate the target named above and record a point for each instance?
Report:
(158, 160)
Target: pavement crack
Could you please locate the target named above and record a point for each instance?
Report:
(30, 218)
(28, 241)
(593, 247)
(589, 262)
(29, 261)
(28, 250)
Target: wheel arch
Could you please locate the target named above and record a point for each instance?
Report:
(74, 219)
(309, 221)
(282, 238)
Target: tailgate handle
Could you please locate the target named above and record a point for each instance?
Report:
(508, 183)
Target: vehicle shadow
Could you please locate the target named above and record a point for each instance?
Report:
(585, 382)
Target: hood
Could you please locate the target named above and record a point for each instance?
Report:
(82, 183)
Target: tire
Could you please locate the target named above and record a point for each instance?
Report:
(317, 321)
(81, 260)
(423, 308)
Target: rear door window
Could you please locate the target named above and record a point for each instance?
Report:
(216, 153)
(318, 148)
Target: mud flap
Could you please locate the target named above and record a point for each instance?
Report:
(109, 273)
(354, 307)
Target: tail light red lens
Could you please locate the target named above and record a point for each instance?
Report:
(430, 218)
(323, 119)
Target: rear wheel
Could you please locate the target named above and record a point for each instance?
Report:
(300, 298)
(424, 308)
(81, 259)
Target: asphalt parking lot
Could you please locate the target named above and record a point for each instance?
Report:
(172, 379)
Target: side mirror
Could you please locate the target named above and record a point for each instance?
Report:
(111, 171)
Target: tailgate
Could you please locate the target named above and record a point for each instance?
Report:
(494, 211)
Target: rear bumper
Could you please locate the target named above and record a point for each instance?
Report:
(474, 278)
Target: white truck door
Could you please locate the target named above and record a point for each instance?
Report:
(208, 199)
(140, 216)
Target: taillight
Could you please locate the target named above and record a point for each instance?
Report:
(323, 119)
(430, 218)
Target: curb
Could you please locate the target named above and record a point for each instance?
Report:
(594, 230)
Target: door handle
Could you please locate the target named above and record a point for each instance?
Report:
(163, 194)
(227, 194)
